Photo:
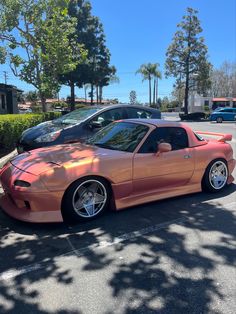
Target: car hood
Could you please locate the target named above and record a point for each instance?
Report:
(42, 129)
(39, 130)
(43, 159)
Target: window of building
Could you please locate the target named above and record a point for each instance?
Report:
(3, 101)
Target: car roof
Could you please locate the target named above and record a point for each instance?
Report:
(193, 141)
(157, 122)
(121, 106)
(222, 108)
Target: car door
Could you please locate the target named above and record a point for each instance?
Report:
(228, 114)
(234, 114)
(168, 170)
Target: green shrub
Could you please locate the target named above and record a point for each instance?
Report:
(78, 106)
(12, 125)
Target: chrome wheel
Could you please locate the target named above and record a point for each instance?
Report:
(89, 198)
(218, 175)
(219, 120)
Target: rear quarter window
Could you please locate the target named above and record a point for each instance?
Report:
(176, 136)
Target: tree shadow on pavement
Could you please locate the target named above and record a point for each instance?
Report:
(172, 269)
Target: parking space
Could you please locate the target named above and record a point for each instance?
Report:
(171, 256)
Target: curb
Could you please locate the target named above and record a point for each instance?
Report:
(5, 159)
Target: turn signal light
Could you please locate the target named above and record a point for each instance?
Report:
(21, 183)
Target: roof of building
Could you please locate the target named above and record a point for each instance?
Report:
(6, 86)
(223, 99)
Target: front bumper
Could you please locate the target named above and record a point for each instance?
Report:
(25, 214)
(34, 204)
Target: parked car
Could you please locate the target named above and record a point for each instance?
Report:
(79, 125)
(194, 116)
(223, 114)
(126, 163)
(25, 110)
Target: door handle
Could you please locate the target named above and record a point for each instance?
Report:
(187, 156)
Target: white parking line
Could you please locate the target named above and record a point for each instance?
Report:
(12, 273)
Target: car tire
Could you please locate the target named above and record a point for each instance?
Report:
(86, 199)
(219, 119)
(216, 176)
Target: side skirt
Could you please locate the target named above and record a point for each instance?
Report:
(155, 196)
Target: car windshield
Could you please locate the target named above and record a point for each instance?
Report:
(122, 136)
(76, 116)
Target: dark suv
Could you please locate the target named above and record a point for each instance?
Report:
(80, 124)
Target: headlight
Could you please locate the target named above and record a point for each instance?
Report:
(48, 137)
(22, 183)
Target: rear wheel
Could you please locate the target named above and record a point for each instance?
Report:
(86, 199)
(216, 176)
(219, 119)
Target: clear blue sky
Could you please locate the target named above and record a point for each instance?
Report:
(139, 31)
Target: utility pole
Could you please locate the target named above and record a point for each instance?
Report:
(5, 77)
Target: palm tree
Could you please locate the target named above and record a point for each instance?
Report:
(149, 71)
(145, 70)
(156, 75)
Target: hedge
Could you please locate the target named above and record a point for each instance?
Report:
(12, 125)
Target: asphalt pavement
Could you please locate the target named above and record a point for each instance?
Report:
(172, 256)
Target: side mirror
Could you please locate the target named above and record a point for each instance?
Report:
(163, 148)
(95, 125)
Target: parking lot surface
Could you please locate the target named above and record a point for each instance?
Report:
(172, 256)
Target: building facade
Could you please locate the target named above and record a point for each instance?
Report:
(8, 99)
(199, 103)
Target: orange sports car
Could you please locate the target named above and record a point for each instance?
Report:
(126, 163)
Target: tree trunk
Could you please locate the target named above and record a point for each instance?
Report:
(150, 91)
(100, 94)
(43, 101)
(97, 94)
(85, 95)
(91, 95)
(44, 105)
(186, 93)
(72, 96)
(154, 92)
(187, 76)
(186, 87)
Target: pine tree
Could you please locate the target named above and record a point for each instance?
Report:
(187, 55)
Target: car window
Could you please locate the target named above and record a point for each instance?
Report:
(122, 136)
(109, 116)
(227, 110)
(175, 136)
(136, 113)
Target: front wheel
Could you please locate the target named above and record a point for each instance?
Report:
(86, 199)
(216, 176)
(219, 119)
